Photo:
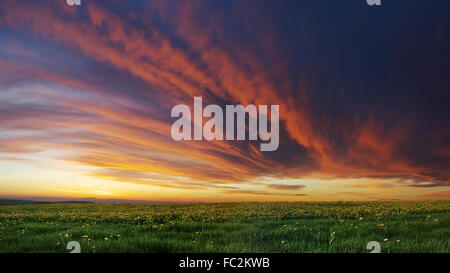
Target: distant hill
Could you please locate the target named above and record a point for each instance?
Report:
(8, 202)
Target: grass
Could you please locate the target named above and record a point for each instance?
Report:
(227, 227)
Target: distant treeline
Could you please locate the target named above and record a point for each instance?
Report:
(25, 202)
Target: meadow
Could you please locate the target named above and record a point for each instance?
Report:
(227, 227)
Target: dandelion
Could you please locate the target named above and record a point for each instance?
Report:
(385, 239)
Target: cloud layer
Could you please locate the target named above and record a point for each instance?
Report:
(359, 97)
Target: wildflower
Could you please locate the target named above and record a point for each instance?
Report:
(385, 239)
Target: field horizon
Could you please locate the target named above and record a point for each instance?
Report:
(261, 227)
(4, 201)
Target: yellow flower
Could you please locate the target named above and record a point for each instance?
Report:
(385, 239)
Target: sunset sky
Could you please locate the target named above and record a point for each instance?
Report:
(86, 93)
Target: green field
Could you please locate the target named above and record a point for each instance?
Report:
(227, 227)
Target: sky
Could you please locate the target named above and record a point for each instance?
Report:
(86, 94)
